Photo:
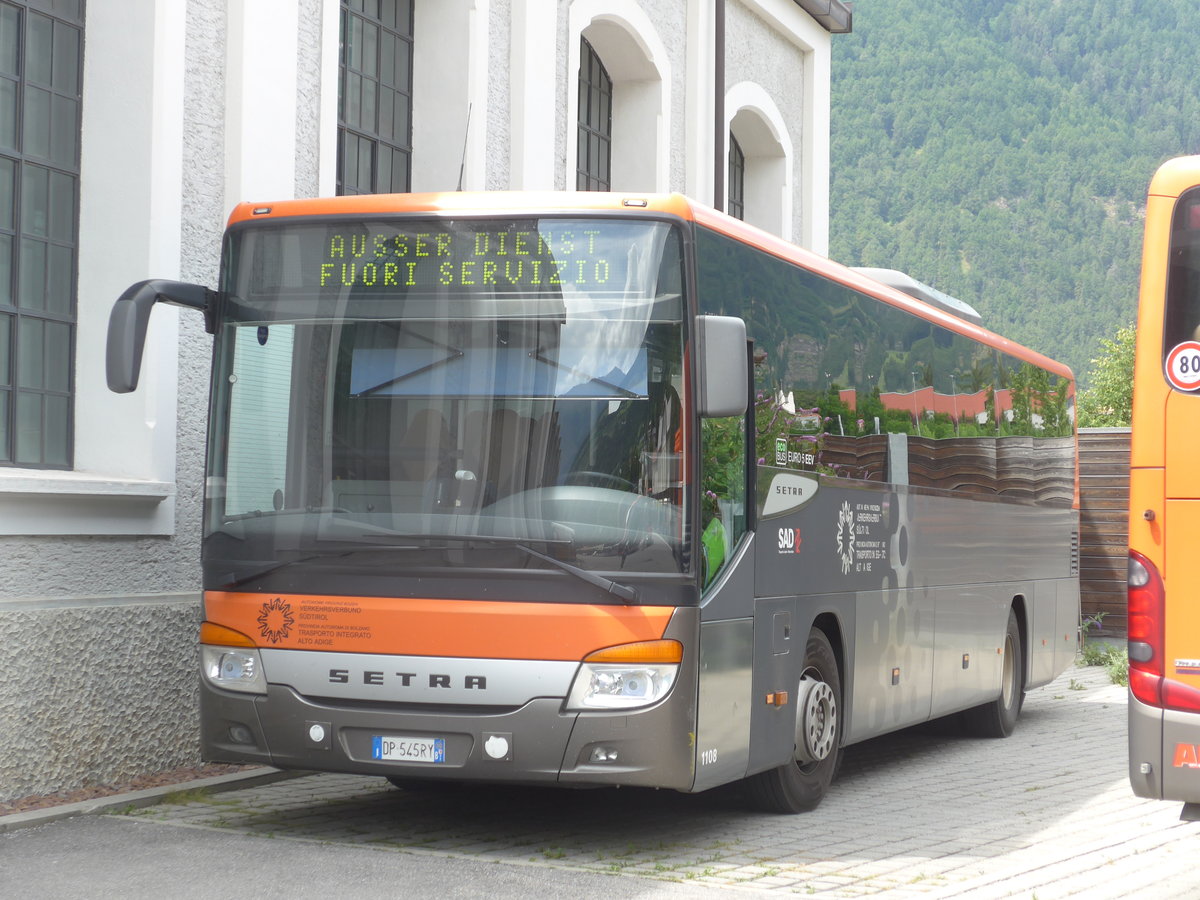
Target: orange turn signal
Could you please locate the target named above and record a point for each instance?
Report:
(218, 635)
(649, 652)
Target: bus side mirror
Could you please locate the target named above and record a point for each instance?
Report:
(722, 366)
(130, 318)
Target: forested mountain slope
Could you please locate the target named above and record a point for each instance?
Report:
(1000, 150)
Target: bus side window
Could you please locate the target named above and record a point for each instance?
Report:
(723, 491)
(662, 467)
(1182, 314)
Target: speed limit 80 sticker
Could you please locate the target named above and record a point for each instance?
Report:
(1183, 366)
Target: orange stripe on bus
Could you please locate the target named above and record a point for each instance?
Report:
(502, 203)
(428, 627)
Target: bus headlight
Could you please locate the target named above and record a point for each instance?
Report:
(230, 661)
(626, 677)
(233, 669)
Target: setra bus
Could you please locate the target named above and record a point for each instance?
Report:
(591, 489)
(1164, 493)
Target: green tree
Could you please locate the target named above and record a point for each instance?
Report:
(1108, 402)
(999, 150)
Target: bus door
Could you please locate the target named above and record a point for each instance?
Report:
(1181, 620)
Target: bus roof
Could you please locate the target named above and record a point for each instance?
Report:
(677, 205)
(1175, 176)
(464, 202)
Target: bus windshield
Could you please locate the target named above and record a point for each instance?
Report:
(450, 392)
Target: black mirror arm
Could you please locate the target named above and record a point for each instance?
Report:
(130, 319)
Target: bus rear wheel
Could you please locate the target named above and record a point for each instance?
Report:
(998, 718)
(800, 785)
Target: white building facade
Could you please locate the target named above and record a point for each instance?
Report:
(130, 128)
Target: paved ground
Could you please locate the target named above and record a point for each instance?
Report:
(1047, 813)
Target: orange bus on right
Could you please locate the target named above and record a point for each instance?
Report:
(1164, 498)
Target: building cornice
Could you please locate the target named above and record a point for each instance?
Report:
(834, 16)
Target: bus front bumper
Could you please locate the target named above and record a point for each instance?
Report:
(536, 743)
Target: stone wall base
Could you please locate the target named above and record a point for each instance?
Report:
(96, 690)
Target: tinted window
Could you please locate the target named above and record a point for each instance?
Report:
(1181, 327)
(840, 376)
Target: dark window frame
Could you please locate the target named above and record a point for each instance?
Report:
(737, 179)
(593, 156)
(375, 106)
(38, 293)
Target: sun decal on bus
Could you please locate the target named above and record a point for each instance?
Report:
(276, 620)
(845, 537)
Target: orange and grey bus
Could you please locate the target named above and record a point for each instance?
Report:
(1164, 498)
(591, 489)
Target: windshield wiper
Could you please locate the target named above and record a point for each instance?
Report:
(429, 541)
(621, 591)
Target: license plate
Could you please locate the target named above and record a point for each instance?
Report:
(408, 749)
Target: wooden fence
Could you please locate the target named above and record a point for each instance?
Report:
(1103, 525)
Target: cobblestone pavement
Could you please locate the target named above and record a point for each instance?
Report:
(1047, 813)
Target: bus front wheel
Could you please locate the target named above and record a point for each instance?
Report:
(799, 785)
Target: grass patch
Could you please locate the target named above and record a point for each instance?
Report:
(1114, 658)
(182, 798)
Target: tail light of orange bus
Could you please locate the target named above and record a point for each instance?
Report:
(1146, 630)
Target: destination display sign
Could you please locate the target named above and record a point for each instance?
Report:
(502, 256)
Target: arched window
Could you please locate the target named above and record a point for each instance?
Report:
(737, 179)
(758, 137)
(624, 94)
(593, 154)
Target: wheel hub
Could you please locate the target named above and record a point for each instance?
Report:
(816, 721)
(1009, 673)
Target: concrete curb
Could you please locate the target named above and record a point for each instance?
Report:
(148, 797)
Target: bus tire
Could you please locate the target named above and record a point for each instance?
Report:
(998, 718)
(800, 785)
